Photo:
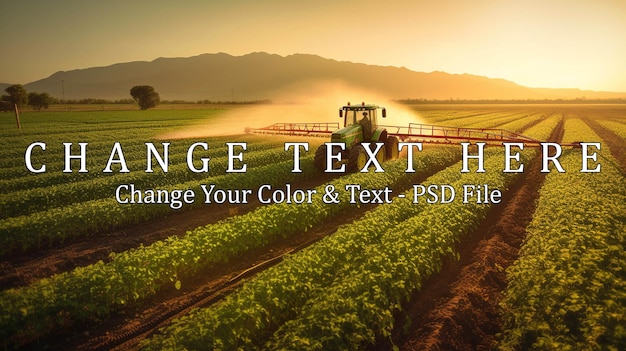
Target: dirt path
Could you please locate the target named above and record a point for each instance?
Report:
(127, 328)
(616, 144)
(458, 308)
(158, 310)
(25, 269)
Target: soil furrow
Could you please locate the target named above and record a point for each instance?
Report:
(28, 268)
(458, 308)
(136, 323)
(616, 144)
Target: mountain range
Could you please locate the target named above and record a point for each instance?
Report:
(259, 76)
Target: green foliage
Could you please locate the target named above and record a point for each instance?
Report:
(39, 100)
(243, 319)
(342, 292)
(58, 223)
(567, 290)
(17, 95)
(339, 293)
(139, 273)
(32, 199)
(145, 96)
(614, 126)
(5, 106)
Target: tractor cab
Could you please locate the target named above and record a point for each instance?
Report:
(360, 125)
(361, 114)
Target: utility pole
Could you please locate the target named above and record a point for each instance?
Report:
(17, 116)
(63, 89)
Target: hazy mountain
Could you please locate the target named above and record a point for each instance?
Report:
(263, 76)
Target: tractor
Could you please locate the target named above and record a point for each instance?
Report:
(361, 128)
(360, 125)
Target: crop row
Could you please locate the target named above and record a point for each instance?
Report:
(566, 290)
(25, 202)
(616, 127)
(91, 292)
(359, 307)
(343, 291)
(21, 179)
(14, 145)
(446, 115)
(92, 127)
(98, 152)
(56, 124)
(512, 118)
(13, 155)
(468, 121)
(521, 123)
(56, 224)
(97, 141)
(97, 156)
(513, 121)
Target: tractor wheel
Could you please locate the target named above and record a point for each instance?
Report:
(320, 157)
(391, 147)
(356, 158)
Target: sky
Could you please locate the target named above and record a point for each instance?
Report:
(536, 43)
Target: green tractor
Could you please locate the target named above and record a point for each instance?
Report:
(360, 126)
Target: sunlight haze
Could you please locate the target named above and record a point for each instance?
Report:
(553, 44)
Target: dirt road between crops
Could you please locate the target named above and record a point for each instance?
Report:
(616, 145)
(125, 330)
(25, 269)
(157, 311)
(458, 308)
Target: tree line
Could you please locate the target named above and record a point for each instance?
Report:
(17, 96)
(145, 96)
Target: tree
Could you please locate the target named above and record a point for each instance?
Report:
(5, 106)
(39, 101)
(145, 96)
(17, 95)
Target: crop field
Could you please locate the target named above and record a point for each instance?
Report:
(88, 263)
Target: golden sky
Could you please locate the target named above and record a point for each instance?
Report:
(549, 43)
